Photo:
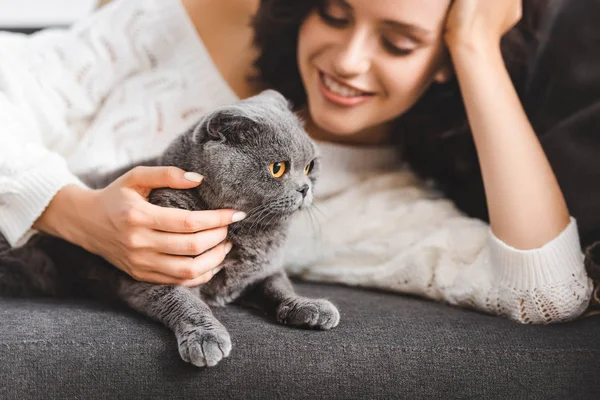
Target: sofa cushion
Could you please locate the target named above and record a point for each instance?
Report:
(386, 346)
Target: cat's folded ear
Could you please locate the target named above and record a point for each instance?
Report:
(223, 124)
(273, 97)
(235, 121)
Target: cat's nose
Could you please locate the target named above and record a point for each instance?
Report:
(303, 190)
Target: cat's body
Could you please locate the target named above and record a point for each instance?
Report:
(232, 148)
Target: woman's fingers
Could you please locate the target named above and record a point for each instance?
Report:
(183, 268)
(184, 221)
(144, 179)
(187, 244)
(202, 279)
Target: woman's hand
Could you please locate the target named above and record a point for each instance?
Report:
(148, 242)
(481, 22)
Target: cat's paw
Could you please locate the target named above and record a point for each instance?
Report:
(317, 314)
(204, 347)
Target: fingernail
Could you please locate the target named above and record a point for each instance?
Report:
(216, 270)
(238, 216)
(193, 177)
(228, 247)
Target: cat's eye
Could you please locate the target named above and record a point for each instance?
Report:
(278, 168)
(309, 167)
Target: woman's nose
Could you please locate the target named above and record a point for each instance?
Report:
(354, 56)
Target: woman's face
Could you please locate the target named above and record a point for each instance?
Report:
(365, 62)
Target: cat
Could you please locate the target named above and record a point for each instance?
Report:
(255, 157)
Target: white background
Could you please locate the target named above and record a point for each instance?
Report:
(42, 13)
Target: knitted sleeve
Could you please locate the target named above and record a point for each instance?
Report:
(30, 175)
(543, 285)
(54, 83)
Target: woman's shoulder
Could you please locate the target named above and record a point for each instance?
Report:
(229, 9)
(224, 28)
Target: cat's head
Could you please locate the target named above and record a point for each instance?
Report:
(256, 157)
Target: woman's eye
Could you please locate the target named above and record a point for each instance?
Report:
(395, 50)
(278, 168)
(309, 167)
(333, 15)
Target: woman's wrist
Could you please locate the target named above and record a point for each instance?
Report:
(62, 216)
(475, 49)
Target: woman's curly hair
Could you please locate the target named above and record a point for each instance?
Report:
(434, 135)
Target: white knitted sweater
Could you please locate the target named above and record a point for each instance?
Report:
(120, 85)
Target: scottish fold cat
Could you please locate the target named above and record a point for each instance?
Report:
(255, 157)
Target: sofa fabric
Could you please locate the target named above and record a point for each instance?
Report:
(386, 346)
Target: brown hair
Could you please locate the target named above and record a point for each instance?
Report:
(434, 136)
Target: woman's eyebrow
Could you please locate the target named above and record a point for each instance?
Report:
(415, 31)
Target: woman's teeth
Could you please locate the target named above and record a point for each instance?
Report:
(340, 89)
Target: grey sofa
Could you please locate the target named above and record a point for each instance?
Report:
(386, 346)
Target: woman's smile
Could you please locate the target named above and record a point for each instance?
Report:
(340, 93)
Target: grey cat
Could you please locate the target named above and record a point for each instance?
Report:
(240, 149)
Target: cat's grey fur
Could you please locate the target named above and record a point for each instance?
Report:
(232, 147)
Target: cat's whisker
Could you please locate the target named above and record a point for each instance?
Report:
(249, 214)
(259, 216)
(314, 222)
(254, 210)
(275, 214)
(273, 206)
(256, 214)
(307, 214)
(260, 225)
(315, 207)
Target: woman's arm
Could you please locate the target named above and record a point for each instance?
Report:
(30, 174)
(526, 205)
(532, 270)
(52, 84)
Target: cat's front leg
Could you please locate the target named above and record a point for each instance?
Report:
(202, 339)
(276, 296)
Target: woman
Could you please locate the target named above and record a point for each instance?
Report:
(117, 87)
